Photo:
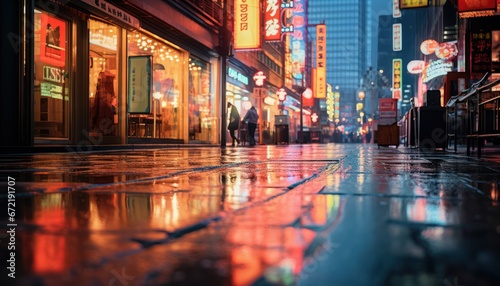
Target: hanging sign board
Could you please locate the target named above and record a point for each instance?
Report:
(247, 25)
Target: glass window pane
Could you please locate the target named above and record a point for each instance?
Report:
(103, 99)
(52, 95)
(202, 118)
(164, 118)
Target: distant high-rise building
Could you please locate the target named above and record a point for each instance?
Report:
(349, 45)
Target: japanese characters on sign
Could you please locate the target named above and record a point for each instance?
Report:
(480, 46)
(247, 25)
(396, 78)
(114, 12)
(320, 61)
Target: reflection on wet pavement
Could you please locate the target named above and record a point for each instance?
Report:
(240, 216)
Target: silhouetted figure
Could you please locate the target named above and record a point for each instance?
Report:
(234, 122)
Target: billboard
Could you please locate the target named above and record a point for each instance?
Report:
(247, 35)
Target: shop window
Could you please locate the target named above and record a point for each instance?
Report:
(202, 118)
(162, 119)
(52, 94)
(103, 97)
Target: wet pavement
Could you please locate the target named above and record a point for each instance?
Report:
(316, 214)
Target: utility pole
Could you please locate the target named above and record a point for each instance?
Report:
(372, 113)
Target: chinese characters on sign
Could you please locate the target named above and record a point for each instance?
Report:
(396, 78)
(274, 25)
(396, 37)
(480, 46)
(320, 61)
(247, 25)
(272, 20)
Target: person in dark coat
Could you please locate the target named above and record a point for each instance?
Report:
(234, 122)
(251, 118)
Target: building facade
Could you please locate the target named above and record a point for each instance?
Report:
(349, 35)
(96, 72)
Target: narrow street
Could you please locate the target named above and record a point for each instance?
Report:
(316, 214)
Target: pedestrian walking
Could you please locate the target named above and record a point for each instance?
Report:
(234, 122)
(251, 118)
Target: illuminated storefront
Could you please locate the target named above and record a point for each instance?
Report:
(52, 86)
(159, 116)
(239, 90)
(101, 76)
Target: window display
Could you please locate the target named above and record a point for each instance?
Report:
(52, 94)
(103, 99)
(202, 119)
(163, 118)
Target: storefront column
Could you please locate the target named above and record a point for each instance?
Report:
(16, 100)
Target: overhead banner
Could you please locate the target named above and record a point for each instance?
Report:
(408, 4)
(396, 78)
(139, 84)
(320, 91)
(247, 25)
